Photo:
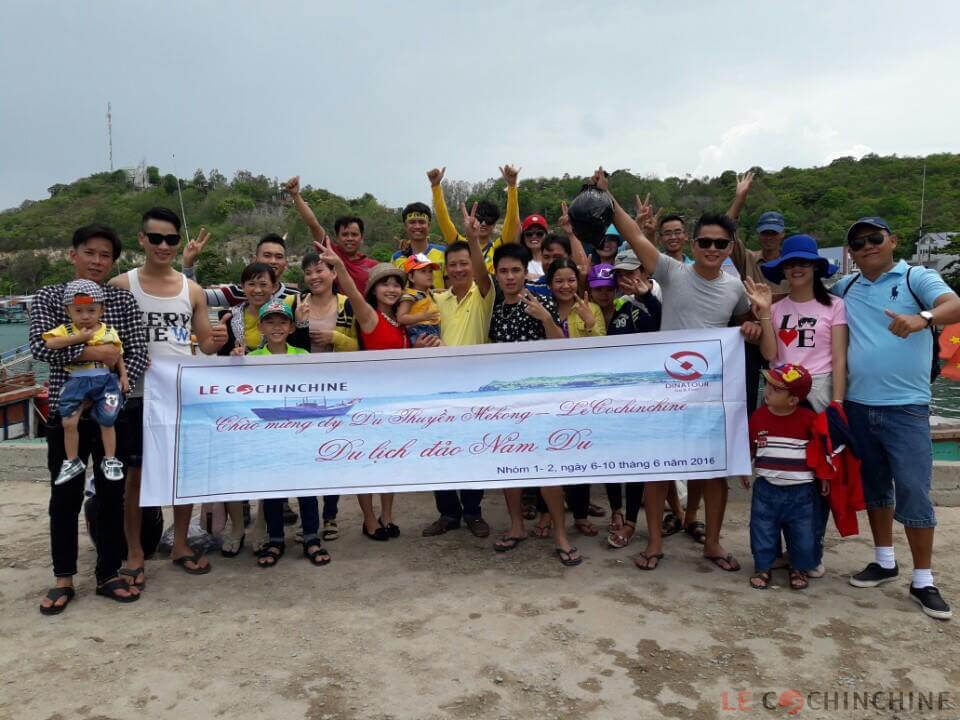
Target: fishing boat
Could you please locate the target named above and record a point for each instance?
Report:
(306, 408)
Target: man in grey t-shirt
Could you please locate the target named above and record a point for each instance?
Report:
(695, 296)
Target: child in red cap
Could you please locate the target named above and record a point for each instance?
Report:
(784, 493)
(418, 311)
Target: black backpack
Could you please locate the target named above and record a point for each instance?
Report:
(935, 360)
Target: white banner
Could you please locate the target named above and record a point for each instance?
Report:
(652, 406)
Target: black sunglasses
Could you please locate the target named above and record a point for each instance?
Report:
(858, 243)
(157, 238)
(534, 233)
(705, 243)
(487, 220)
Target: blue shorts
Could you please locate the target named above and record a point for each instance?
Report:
(896, 456)
(102, 390)
(415, 331)
(791, 509)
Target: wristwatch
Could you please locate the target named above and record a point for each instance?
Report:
(928, 316)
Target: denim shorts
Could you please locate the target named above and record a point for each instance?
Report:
(102, 390)
(791, 509)
(896, 456)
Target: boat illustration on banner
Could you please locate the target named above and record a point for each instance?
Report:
(306, 408)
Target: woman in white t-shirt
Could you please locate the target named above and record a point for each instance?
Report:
(809, 326)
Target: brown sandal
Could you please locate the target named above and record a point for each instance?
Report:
(618, 539)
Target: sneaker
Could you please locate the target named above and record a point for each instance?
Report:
(931, 603)
(69, 470)
(112, 468)
(440, 526)
(873, 575)
(818, 572)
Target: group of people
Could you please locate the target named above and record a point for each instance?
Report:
(858, 352)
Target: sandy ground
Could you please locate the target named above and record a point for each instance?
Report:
(445, 628)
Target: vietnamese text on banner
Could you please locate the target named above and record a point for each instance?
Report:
(633, 408)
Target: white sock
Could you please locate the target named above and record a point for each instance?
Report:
(884, 557)
(922, 578)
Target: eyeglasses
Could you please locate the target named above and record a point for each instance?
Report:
(534, 233)
(671, 233)
(157, 238)
(704, 243)
(858, 243)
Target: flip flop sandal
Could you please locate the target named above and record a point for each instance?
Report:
(331, 531)
(507, 543)
(646, 561)
(763, 577)
(729, 559)
(541, 531)
(318, 556)
(195, 559)
(109, 590)
(566, 556)
(529, 511)
(231, 548)
(697, 531)
(618, 540)
(55, 594)
(586, 528)
(798, 580)
(671, 525)
(596, 511)
(134, 573)
(264, 554)
(614, 525)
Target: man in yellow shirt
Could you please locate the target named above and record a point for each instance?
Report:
(464, 320)
(487, 214)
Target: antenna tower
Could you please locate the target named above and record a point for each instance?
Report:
(110, 134)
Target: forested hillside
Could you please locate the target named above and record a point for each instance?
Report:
(820, 201)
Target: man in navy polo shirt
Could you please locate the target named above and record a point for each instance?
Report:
(890, 307)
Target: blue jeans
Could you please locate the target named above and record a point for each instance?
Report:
(309, 517)
(415, 331)
(102, 390)
(791, 509)
(896, 456)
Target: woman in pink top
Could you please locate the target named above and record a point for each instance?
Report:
(809, 326)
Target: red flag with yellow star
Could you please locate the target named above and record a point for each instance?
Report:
(950, 351)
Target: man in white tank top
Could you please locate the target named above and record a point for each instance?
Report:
(172, 308)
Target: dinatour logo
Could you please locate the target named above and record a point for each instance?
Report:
(686, 365)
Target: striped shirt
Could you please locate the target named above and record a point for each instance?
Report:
(778, 445)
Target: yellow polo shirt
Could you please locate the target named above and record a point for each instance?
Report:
(464, 322)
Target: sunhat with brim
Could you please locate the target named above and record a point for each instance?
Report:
(797, 247)
(382, 271)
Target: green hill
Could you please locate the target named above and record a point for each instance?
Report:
(820, 201)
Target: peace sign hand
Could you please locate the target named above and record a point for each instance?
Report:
(582, 306)
(564, 221)
(326, 253)
(646, 218)
(533, 307)
(470, 223)
(194, 247)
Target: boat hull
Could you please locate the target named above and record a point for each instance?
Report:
(300, 413)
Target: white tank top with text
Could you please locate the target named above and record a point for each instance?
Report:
(168, 320)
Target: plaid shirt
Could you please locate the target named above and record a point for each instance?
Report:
(120, 310)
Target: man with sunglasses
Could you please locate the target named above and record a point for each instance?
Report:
(699, 295)
(172, 308)
(890, 308)
(487, 214)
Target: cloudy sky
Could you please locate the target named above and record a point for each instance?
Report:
(366, 96)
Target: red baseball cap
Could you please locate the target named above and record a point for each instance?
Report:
(795, 378)
(532, 220)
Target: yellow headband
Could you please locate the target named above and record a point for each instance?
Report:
(417, 216)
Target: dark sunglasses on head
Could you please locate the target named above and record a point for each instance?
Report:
(858, 243)
(534, 233)
(705, 243)
(157, 238)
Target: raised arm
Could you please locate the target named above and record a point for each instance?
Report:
(480, 275)
(447, 228)
(365, 315)
(761, 298)
(645, 250)
(316, 230)
(577, 253)
(511, 221)
(744, 183)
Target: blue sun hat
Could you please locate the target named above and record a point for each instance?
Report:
(797, 247)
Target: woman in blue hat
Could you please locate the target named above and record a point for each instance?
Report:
(808, 327)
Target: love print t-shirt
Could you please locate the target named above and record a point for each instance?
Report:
(804, 332)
